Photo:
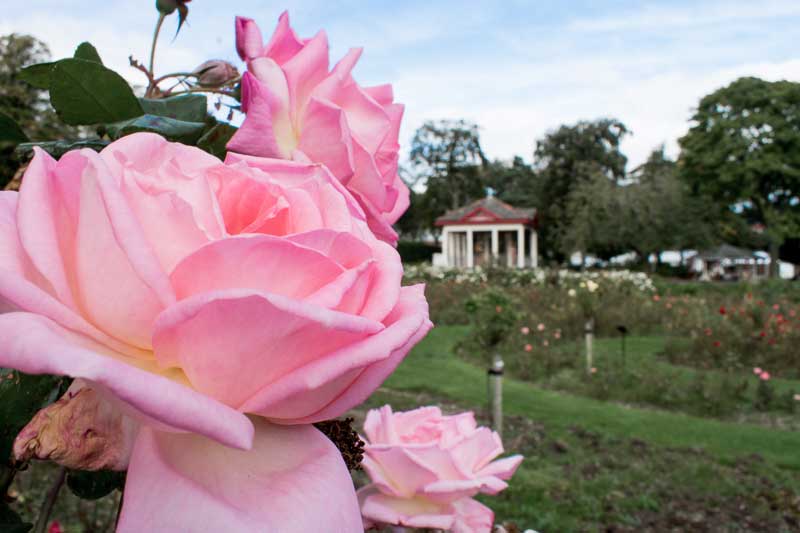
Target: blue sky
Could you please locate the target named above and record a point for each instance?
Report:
(518, 68)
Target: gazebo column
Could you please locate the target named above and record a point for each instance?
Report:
(447, 248)
(495, 247)
(470, 255)
(521, 247)
(534, 249)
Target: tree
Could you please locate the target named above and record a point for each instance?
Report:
(743, 150)
(594, 218)
(27, 105)
(448, 158)
(511, 182)
(565, 158)
(648, 213)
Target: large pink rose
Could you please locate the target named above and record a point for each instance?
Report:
(221, 307)
(425, 467)
(297, 109)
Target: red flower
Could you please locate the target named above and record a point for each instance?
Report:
(55, 527)
(717, 344)
(722, 310)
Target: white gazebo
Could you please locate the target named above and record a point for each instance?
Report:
(489, 232)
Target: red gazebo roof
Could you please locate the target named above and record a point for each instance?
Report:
(489, 210)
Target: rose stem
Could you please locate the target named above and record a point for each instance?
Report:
(49, 501)
(161, 17)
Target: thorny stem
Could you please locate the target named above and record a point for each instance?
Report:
(174, 75)
(49, 501)
(161, 18)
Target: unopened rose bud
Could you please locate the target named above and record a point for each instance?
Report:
(81, 431)
(169, 6)
(215, 72)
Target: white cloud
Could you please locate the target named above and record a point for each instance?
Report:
(694, 14)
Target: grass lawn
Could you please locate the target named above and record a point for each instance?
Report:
(598, 466)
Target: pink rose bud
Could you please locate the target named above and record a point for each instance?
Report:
(81, 431)
(215, 72)
(55, 527)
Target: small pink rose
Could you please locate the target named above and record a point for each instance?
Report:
(540, 327)
(525, 330)
(757, 370)
(528, 347)
(764, 376)
(425, 468)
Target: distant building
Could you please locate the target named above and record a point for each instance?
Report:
(730, 263)
(486, 233)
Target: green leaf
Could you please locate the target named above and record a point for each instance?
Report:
(21, 396)
(172, 129)
(87, 52)
(85, 92)
(215, 139)
(188, 107)
(94, 485)
(10, 522)
(37, 75)
(10, 132)
(59, 148)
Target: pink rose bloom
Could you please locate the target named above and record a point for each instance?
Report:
(525, 330)
(220, 308)
(757, 370)
(299, 109)
(426, 467)
(528, 347)
(765, 376)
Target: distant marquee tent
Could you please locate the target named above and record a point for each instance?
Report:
(489, 232)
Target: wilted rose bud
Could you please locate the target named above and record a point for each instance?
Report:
(215, 72)
(81, 430)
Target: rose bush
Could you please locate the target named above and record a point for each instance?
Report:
(425, 468)
(297, 109)
(219, 308)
